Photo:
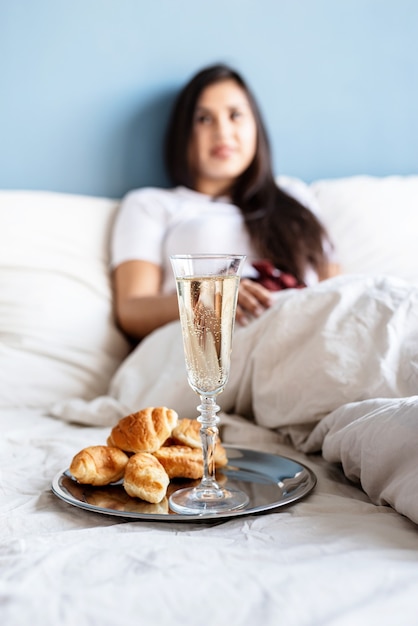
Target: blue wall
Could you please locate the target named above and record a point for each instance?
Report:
(85, 85)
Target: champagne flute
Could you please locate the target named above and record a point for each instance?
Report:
(207, 290)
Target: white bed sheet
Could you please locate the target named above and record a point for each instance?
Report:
(332, 558)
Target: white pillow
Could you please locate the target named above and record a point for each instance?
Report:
(373, 223)
(57, 332)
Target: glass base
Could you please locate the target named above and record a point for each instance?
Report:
(207, 501)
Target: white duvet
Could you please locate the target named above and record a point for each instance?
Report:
(333, 367)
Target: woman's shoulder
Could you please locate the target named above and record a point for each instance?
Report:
(151, 201)
(160, 195)
(149, 193)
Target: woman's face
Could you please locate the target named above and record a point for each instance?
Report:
(224, 137)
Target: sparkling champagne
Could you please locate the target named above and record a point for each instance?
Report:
(207, 306)
(207, 290)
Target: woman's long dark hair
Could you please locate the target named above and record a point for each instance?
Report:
(282, 230)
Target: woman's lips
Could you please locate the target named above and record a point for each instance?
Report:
(222, 152)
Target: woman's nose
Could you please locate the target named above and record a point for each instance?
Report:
(223, 127)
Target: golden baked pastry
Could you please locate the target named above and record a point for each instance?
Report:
(98, 465)
(181, 461)
(145, 478)
(187, 433)
(143, 431)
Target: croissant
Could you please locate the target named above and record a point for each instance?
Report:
(187, 433)
(181, 461)
(145, 478)
(98, 465)
(144, 431)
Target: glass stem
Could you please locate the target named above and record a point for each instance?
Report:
(208, 434)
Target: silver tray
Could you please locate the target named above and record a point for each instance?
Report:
(270, 481)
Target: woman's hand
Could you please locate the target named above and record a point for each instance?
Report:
(253, 300)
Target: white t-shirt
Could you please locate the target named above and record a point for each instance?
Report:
(154, 223)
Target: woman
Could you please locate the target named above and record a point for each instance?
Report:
(225, 200)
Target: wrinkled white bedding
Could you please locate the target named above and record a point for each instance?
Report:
(376, 443)
(332, 558)
(347, 340)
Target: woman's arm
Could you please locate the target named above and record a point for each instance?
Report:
(140, 307)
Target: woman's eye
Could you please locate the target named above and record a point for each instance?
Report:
(235, 115)
(203, 119)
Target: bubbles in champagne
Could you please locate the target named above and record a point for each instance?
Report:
(207, 306)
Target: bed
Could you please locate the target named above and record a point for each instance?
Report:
(327, 380)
